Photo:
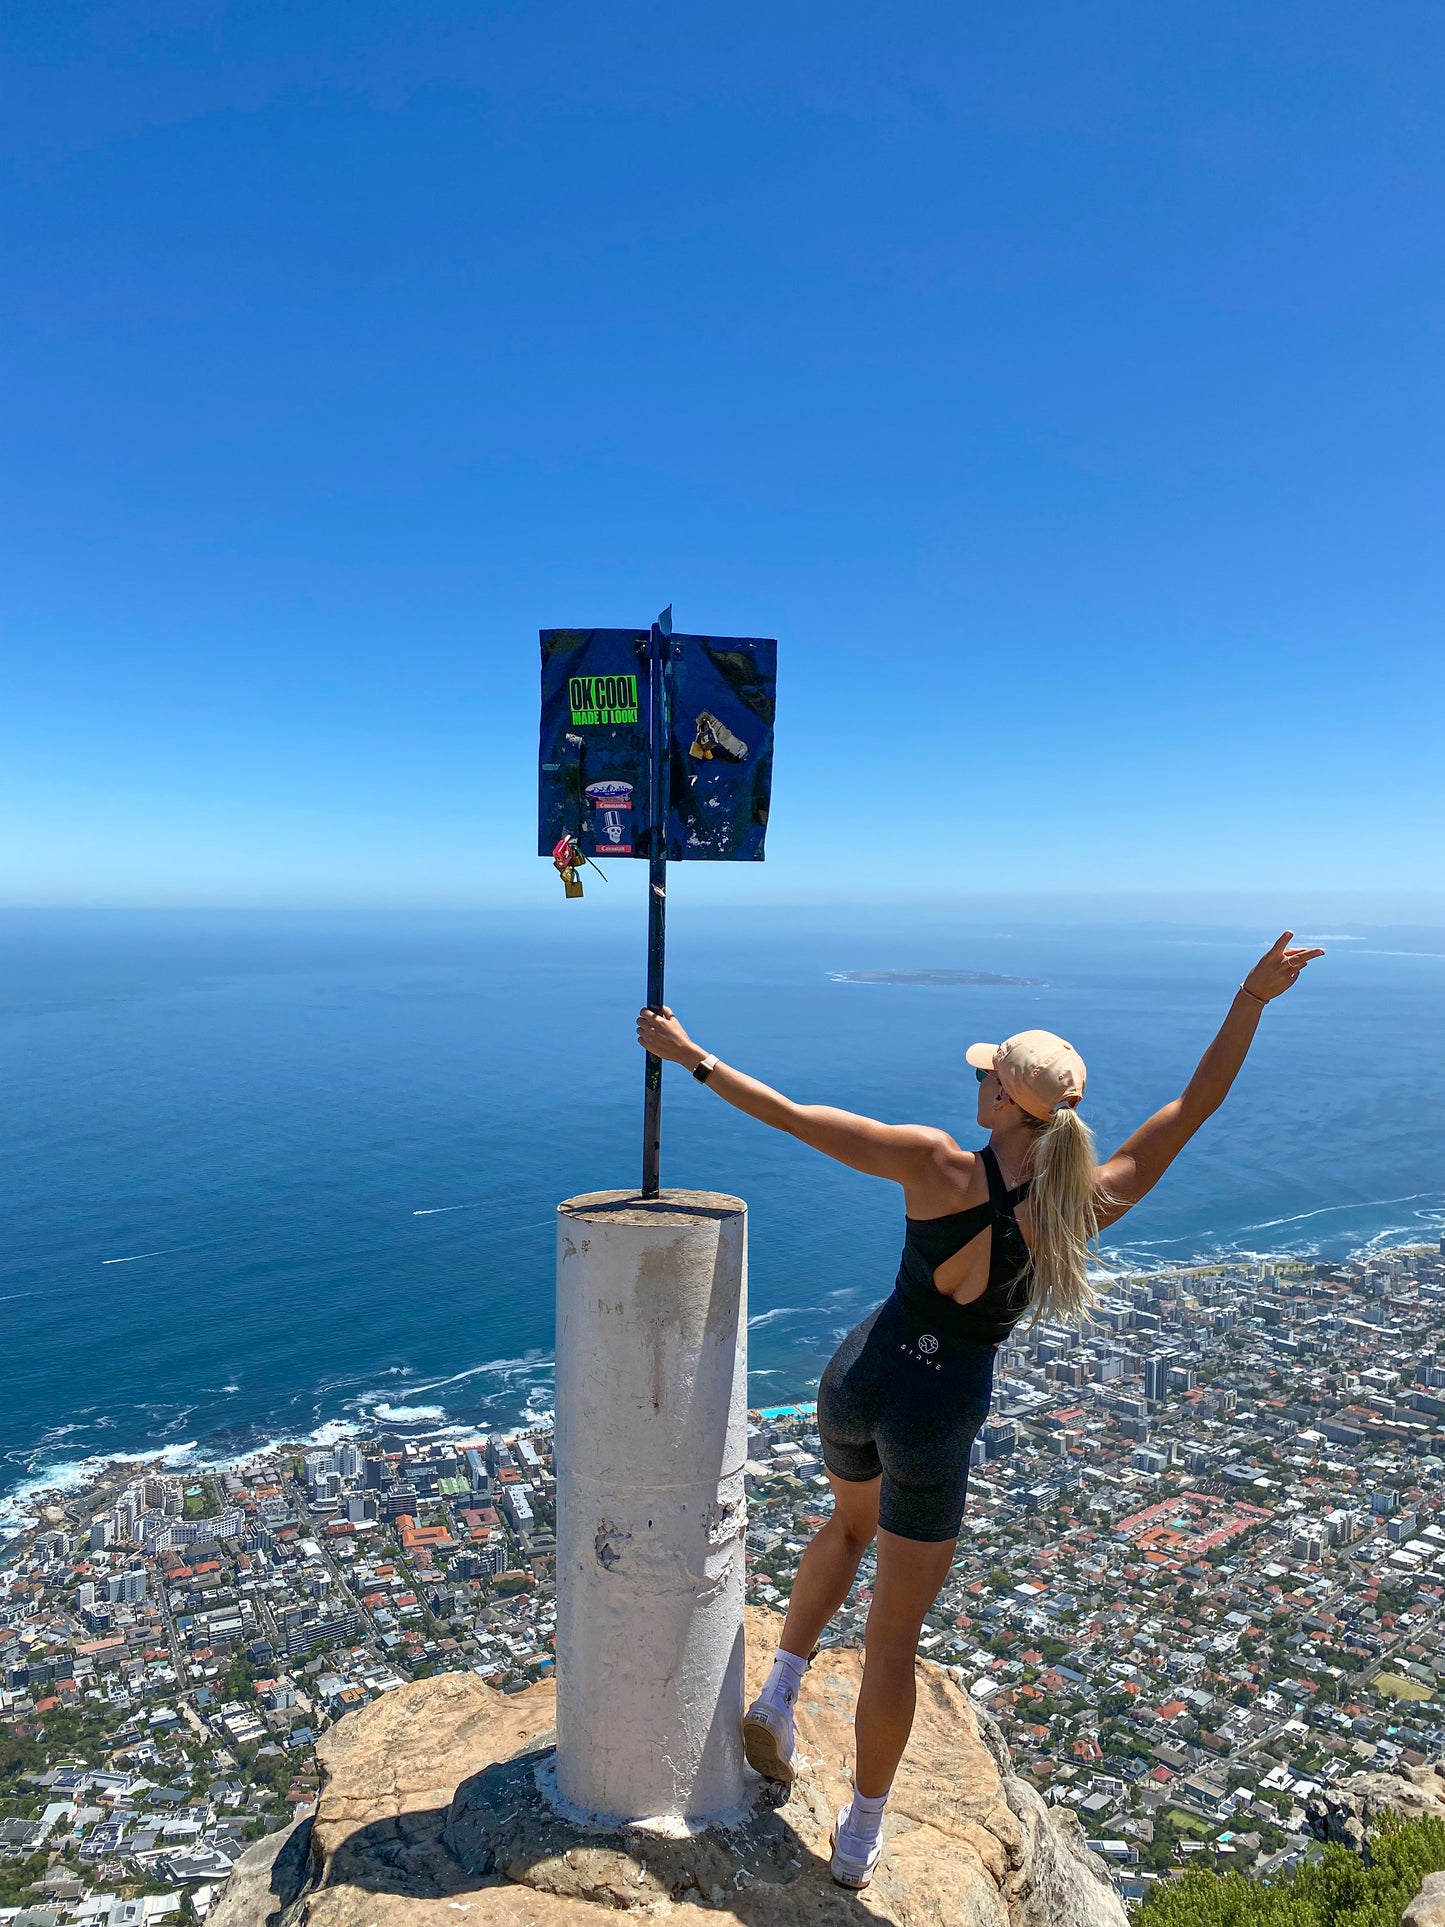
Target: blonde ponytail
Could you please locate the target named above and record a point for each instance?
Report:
(1064, 1205)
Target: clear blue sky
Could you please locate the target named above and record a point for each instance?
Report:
(1061, 385)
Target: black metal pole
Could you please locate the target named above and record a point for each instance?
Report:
(659, 692)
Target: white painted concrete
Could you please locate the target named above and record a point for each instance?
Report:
(651, 1440)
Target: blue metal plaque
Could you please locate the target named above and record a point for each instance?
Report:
(596, 736)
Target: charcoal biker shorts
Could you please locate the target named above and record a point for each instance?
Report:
(903, 1400)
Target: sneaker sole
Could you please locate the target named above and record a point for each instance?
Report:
(760, 1746)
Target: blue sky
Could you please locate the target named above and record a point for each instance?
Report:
(1061, 386)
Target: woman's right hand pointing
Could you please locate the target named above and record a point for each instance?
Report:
(1278, 969)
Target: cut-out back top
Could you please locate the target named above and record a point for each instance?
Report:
(930, 1242)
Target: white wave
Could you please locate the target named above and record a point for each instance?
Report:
(1434, 956)
(409, 1414)
(17, 1506)
(502, 1367)
(230, 1388)
(332, 1431)
(501, 1230)
(1365, 1204)
(169, 1252)
(767, 1317)
(71, 1475)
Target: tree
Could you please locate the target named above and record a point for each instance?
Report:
(240, 1680)
(17, 1877)
(273, 1771)
(19, 1754)
(1337, 1890)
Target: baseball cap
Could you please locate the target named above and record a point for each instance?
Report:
(1038, 1070)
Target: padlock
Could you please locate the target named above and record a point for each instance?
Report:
(714, 739)
(567, 855)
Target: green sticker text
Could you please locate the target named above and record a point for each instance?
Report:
(596, 700)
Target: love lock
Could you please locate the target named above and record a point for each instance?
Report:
(714, 739)
(568, 856)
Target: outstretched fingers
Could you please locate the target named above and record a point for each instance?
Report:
(1294, 959)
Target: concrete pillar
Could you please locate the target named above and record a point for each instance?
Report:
(651, 1439)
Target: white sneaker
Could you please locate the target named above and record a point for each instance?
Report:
(848, 1870)
(768, 1741)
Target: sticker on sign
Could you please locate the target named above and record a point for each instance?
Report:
(600, 701)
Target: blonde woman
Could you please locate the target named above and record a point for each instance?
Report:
(991, 1234)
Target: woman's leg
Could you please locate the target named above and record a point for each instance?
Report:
(910, 1573)
(830, 1565)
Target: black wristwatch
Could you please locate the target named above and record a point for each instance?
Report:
(703, 1071)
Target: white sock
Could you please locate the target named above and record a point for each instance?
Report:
(864, 1824)
(782, 1684)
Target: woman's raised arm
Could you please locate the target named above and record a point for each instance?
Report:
(896, 1151)
(1139, 1163)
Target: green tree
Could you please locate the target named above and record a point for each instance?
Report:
(274, 1771)
(239, 1682)
(19, 1754)
(1337, 1890)
(17, 1877)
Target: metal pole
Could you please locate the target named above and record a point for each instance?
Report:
(659, 691)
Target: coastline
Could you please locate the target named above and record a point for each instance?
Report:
(22, 1501)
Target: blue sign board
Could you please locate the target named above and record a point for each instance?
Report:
(596, 744)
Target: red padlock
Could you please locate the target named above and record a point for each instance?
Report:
(567, 856)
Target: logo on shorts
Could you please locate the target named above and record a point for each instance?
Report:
(928, 1344)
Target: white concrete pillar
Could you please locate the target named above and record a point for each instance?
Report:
(651, 1440)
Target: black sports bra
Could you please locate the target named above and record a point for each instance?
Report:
(930, 1242)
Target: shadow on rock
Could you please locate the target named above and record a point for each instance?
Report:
(502, 1830)
(501, 1822)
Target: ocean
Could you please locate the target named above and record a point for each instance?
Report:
(292, 1175)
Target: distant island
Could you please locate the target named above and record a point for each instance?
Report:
(932, 977)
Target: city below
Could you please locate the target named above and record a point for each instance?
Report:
(1200, 1578)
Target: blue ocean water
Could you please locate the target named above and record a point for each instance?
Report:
(275, 1175)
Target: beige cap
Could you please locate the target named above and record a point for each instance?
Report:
(1039, 1071)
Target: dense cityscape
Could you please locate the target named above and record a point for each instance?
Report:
(1200, 1579)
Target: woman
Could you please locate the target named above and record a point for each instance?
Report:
(990, 1234)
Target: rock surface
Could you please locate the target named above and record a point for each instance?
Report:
(1345, 1813)
(1427, 1909)
(432, 1810)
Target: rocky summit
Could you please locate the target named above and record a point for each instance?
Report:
(434, 1812)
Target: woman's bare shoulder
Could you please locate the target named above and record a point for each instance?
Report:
(945, 1179)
